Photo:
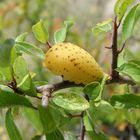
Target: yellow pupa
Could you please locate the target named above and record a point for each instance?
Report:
(73, 63)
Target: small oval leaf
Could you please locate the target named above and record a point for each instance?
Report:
(92, 89)
(8, 99)
(71, 101)
(130, 21)
(48, 118)
(21, 37)
(23, 77)
(5, 52)
(29, 49)
(125, 101)
(60, 35)
(121, 7)
(33, 117)
(130, 69)
(104, 26)
(40, 32)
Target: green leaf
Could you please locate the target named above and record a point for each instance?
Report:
(105, 107)
(69, 23)
(102, 111)
(104, 26)
(23, 78)
(5, 52)
(48, 118)
(40, 32)
(5, 73)
(125, 101)
(71, 101)
(97, 136)
(120, 8)
(12, 129)
(131, 115)
(8, 99)
(55, 135)
(136, 62)
(60, 35)
(29, 49)
(92, 89)
(71, 137)
(89, 126)
(130, 69)
(21, 37)
(6, 89)
(33, 117)
(102, 83)
(14, 55)
(130, 21)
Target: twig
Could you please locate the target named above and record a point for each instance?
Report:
(82, 133)
(83, 130)
(119, 51)
(49, 45)
(119, 24)
(108, 47)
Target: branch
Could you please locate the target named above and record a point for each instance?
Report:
(114, 73)
(66, 84)
(83, 130)
(82, 133)
(120, 80)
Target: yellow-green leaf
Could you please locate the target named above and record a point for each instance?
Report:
(40, 31)
(121, 7)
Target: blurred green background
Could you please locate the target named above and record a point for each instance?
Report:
(18, 16)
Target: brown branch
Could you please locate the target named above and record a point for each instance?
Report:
(114, 73)
(120, 80)
(83, 130)
(82, 133)
(66, 84)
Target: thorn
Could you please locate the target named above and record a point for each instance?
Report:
(119, 51)
(108, 47)
(48, 44)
